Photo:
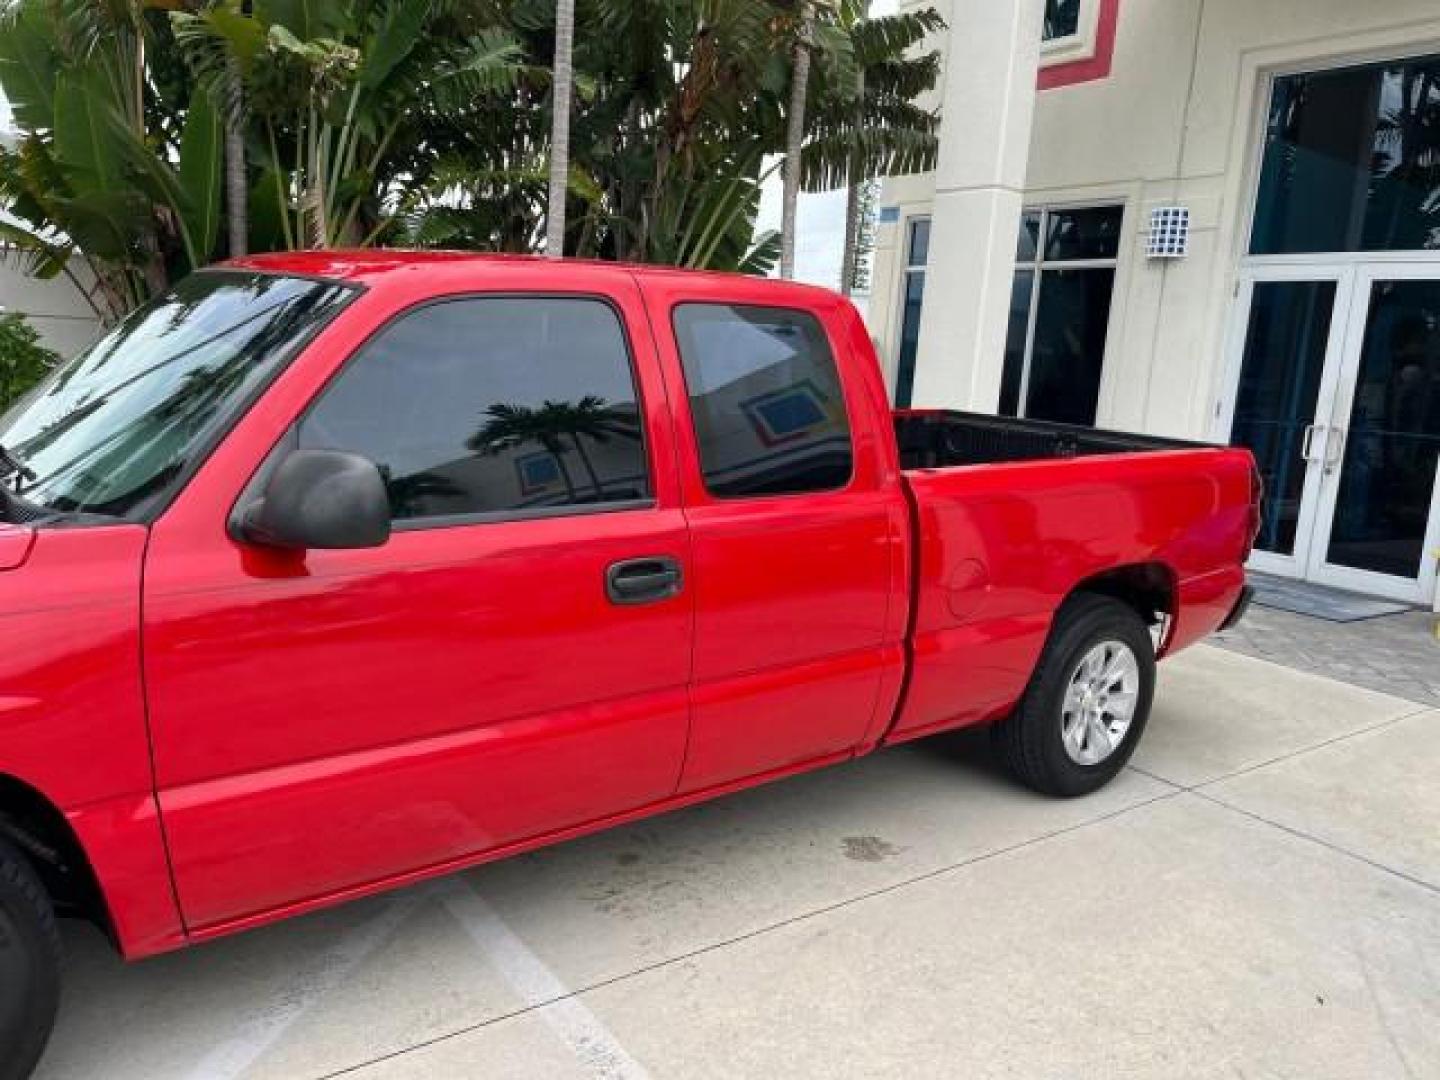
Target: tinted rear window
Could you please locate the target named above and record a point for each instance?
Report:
(765, 399)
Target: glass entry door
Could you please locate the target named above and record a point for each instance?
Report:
(1378, 497)
(1288, 364)
(1337, 391)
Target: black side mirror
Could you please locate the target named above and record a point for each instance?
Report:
(320, 499)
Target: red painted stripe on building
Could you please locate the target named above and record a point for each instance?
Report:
(1091, 68)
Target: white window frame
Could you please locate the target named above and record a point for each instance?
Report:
(907, 268)
(1080, 45)
(1037, 267)
(1269, 79)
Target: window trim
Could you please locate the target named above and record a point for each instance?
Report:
(1080, 45)
(1037, 267)
(694, 435)
(288, 440)
(907, 269)
(1267, 79)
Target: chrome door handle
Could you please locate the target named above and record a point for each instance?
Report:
(1335, 443)
(1307, 444)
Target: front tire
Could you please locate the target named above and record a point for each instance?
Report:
(1087, 703)
(29, 966)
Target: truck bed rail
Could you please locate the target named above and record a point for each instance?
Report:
(937, 439)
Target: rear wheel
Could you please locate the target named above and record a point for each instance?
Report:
(29, 966)
(1088, 700)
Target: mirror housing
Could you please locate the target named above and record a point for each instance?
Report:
(319, 499)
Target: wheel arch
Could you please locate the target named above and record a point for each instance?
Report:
(1150, 589)
(35, 825)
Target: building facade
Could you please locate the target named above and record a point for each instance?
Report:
(1216, 219)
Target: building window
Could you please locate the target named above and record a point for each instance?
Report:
(1350, 161)
(917, 250)
(1060, 313)
(1062, 19)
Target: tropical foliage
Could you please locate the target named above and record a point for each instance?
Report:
(23, 360)
(145, 125)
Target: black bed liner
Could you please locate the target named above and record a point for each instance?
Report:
(939, 439)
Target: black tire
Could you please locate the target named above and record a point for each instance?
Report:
(1030, 739)
(29, 966)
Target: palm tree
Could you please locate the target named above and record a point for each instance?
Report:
(347, 103)
(871, 127)
(237, 187)
(564, 77)
(795, 136)
(102, 168)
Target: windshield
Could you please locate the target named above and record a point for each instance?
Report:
(111, 430)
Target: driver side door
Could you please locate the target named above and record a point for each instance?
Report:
(328, 721)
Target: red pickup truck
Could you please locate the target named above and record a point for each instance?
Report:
(329, 572)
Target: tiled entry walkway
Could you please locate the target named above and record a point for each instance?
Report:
(1395, 654)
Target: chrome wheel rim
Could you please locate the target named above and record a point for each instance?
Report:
(1100, 701)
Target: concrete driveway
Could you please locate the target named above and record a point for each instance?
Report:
(1259, 895)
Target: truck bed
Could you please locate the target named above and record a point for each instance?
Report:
(1049, 507)
(939, 439)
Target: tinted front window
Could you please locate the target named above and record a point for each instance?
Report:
(765, 398)
(491, 405)
(110, 432)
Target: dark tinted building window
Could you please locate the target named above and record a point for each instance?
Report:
(1060, 313)
(491, 405)
(1068, 347)
(1092, 233)
(766, 400)
(919, 251)
(1062, 19)
(1349, 161)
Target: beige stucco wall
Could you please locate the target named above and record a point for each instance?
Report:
(1178, 120)
(55, 308)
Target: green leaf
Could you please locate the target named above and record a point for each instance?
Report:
(306, 19)
(267, 231)
(489, 63)
(764, 256)
(40, 257)
(244, 34)
(28, 67)
(86, 145)
(104, 225)
(397, 32)
(202, 159)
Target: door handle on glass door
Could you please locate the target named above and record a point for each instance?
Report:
(1334, 449)
(1307, 444)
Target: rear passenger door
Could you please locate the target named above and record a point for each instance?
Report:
(511, 662)
(795, 530)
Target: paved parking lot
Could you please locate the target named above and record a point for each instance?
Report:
(1258, 896)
